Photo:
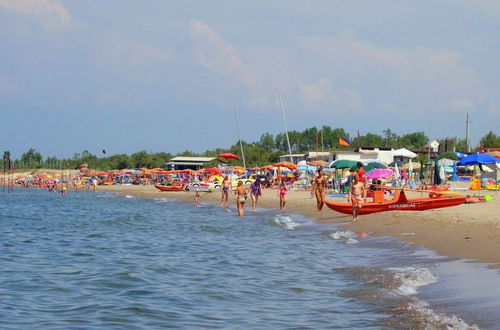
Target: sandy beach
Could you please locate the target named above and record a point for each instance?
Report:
(470, 231)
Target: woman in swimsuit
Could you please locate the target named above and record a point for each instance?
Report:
(255, 192)
(241, 193)
(282, 193)
(320, 186)
(226, 185)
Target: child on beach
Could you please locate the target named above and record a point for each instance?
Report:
(357, 194)
(282, 193)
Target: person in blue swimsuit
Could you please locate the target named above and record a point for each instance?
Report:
(255, 192)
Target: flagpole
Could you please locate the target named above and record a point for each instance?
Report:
(286, 129)
(239, 137)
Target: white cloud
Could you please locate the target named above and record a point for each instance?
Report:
(39, 7)
(136, 53)
(461, 104)
(214, 53)
(316, 95)
(352, 99)
(439, 74)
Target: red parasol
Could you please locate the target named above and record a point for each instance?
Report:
(288, 165)
(228, 155)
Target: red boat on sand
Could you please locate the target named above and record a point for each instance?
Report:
(399, 203)
(173, 187)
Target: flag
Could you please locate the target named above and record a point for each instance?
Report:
(344, 142)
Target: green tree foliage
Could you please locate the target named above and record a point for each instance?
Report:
(490, 140)
(31, 158)
(413, 140)
(368, 140)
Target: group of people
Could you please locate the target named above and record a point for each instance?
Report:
(356, 195)
(242, 193)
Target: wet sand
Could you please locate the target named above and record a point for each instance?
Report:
(470, 231)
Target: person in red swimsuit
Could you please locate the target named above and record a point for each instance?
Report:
(361, 172)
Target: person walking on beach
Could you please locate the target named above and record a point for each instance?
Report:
(320, 186)
(241, 196)
(361, 172)
(357, 194)
(226, 185)
(197, 197)
(255, 192)
(282, 194)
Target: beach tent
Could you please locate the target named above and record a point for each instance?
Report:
(478, 159)
(403, 152)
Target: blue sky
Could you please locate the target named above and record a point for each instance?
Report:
(167, 75)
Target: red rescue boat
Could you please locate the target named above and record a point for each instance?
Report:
(173, 187)
(399, 203)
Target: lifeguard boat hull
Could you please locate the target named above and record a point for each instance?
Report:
(170, 188)
(399, 203)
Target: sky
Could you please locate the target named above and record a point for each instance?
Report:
(157, 75)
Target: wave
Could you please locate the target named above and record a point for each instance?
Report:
(285, 222)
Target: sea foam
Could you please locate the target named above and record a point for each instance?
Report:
(285, 222)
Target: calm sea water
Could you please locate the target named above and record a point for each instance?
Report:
(93, 260)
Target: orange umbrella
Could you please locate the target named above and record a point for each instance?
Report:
(288, 165)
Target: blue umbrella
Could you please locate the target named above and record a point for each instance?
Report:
(459, 154)
(454, 177)
(478, 158)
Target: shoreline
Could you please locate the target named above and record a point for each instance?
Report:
(467, 231)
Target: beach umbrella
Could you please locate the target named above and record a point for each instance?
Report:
(412, 165)
(228, 155)
(397, 162)
(459, 154)
(288, 165)
(342, 163)
(317, 163)
(379, 173)
(368, 166)
(478, 159)
(437, 178)
(403, 152)
(454, 176)
(422, 176)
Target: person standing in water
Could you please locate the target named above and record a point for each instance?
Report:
(241, 197)
(320, 186)
(226, 186)
(357, 194)
(282, 193)
(255, 192)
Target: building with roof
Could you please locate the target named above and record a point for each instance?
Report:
(184, 163)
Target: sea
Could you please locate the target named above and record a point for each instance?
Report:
(92, 260)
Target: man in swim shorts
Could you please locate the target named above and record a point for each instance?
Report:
(357, 194)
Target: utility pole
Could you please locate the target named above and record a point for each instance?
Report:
(239, 137)
(467, 121)
(286, 129)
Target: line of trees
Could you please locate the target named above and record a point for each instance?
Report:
(264, 151)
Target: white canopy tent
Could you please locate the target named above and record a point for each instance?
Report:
(403, 152)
